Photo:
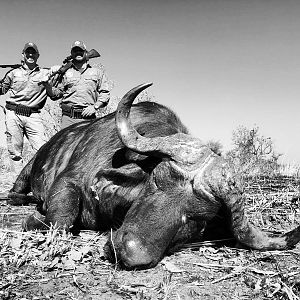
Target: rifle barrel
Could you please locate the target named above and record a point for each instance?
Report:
(11, 66)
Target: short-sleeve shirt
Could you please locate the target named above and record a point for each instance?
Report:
(21, 86)
(82, 88)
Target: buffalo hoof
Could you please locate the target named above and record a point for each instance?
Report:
(17, 199)
(34, 221)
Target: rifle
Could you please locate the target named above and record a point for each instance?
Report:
(68, 62)
(15, 66)
(90, 54)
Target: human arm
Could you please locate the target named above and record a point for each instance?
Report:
(52, 84)
(103, 93)
(2, 101)
(52, 92)
(92, 109)
(103, 96)
(5, 83)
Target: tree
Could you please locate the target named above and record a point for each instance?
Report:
(253, 153)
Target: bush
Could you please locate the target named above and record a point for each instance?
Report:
(253, 154)
(51, 115)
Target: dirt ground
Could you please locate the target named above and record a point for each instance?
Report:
(54, 266)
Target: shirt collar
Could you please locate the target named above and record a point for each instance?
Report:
(83, 70)
(24, 66)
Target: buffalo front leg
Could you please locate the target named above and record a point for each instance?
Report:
(63, 206)
(251, 236)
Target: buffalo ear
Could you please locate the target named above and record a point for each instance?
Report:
(133, 156)
(168, 174)
(179, 173)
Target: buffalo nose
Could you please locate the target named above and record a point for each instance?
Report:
(134, 254)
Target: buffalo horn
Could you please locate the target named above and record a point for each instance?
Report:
(180, 147)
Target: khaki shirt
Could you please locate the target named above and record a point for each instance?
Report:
(21, 86)
(81, 89)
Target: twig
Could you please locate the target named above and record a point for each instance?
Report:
(42, 222)
(77, 284)
(5, 286)
(288, 291)
(115, 253)
(204, 243)
(12, 213)
(236, 271)
(269, 273)
(213, 266)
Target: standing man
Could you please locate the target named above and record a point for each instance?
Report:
(83, 89)
(24, 100)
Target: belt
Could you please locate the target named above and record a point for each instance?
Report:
(21, 109)
(75, 113)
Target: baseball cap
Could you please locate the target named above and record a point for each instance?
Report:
(79, 44)
(31, 45)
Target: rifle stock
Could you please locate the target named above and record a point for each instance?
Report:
(93, 54)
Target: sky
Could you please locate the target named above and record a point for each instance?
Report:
(218, 64)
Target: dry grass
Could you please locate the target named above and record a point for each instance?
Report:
(30, 258)
(60, 266)
(291, 170)
(273, 203)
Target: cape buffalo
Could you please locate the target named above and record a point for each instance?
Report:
(144, 176)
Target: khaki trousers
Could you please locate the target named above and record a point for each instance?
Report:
(19, 126)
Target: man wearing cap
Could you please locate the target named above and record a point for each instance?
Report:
(24, 100)
(83, 88)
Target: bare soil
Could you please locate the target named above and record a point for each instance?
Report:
(54, 266)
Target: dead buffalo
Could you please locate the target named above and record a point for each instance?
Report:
(144, 176)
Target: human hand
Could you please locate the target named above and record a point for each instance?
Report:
(44, 80)
(54, 69)
(88, 111)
